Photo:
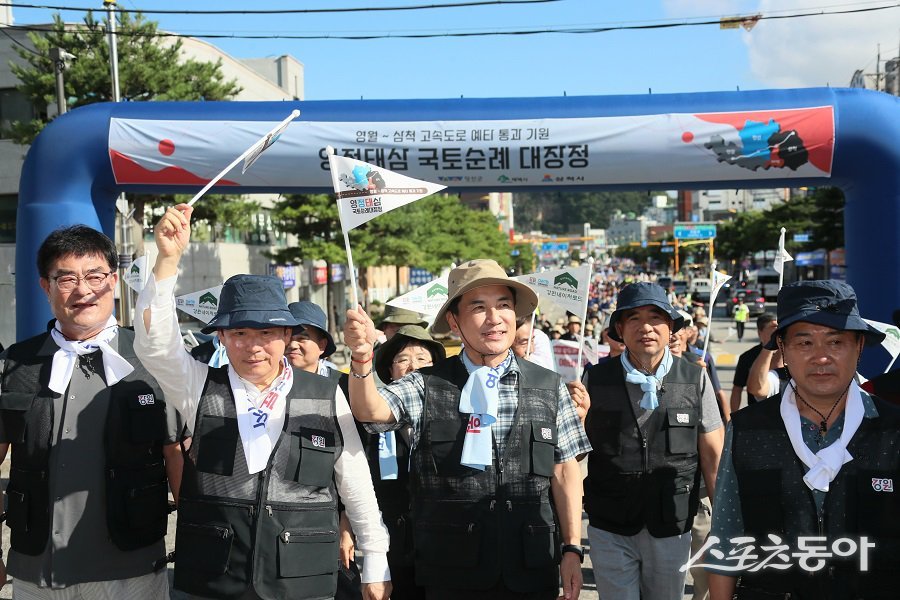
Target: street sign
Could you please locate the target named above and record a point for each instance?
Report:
(670, 249)
(555, 247)
(801, 237)
(694, 231)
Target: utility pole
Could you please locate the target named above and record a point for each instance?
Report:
(122, 203)
(61, 60)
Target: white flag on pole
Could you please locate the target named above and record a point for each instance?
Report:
(782, 256)
(426, 299)
(567, 288)
(365, 191)
(267, 142)
(891, 340)
(719, 279)
(137, 274)
(202, 305)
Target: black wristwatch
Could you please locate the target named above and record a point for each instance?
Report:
(579, 550)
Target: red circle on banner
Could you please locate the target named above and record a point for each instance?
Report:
(166, 147)
(687, 137)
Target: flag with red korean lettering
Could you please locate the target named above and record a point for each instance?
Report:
(365, 191)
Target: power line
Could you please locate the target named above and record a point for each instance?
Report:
(286, 11)
(467, 34)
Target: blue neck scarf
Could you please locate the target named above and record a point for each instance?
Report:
(480, 398)
(649, 383)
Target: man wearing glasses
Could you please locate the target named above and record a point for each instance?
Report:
(92, 438)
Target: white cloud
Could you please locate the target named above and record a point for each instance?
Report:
(819, 50)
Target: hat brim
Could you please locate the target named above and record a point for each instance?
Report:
(873, 337)
(388, 350)
(251, 319)
(526, 300)
(678, 320)
(404, 321)
(330, 347)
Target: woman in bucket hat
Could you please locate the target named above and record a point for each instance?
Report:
(815, 465)
(272, 446)
(487, 412)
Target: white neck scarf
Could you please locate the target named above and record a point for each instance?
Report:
(260, 414)
(480, 398)
(649, 383)
(114, 366)
(825, 464)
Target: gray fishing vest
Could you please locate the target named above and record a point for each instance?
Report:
(275, 532)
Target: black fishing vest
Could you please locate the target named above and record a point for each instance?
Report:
(135, 430)
(276, 531)
(646, 478)
(863, 500)
(473, 527)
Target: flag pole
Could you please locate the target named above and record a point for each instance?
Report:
(294, 114)
(781, 258)
(531, 335)
(891, 364)
(587, 295)
(712, 305)
(335, 183)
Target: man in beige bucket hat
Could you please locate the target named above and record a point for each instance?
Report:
(493, 437)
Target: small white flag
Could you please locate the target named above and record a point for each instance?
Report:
(426, 299)
(567, 288)
(565, 356)
(136, 276)
(891, 340)
(267, 142)
(202, 305)
(782, 256)
(719, 279)
(365, 191)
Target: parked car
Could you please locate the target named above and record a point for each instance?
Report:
(752, 298)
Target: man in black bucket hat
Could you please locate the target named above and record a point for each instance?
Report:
(272, 447)
(654, 425)
(812, 469)
(311, 343)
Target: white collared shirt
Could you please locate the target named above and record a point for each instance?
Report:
(182, 379)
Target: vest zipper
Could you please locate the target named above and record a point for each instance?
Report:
(645, 458)
(287, 535)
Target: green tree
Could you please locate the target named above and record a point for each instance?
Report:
(150, 68)
(559, 212)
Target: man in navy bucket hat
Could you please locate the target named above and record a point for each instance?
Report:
(654, 426)
(272, 446)
(814, 466)
(311, 343)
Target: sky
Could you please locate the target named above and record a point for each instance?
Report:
(798, 52)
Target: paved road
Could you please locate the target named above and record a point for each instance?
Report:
(725, 349)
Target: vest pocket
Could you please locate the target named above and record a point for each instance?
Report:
(543, 444)
(448, 545)
(307, 553)
(446, 440)
(205, 547)
(879, 503)
(681, 433)
(146, 413)
(539, 545)
(13, 409)
(17, 511)
(218, 443)
(311, 457)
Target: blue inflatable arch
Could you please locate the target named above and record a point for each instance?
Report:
(773, 138)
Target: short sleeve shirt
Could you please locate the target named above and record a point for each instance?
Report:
(406, 399)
